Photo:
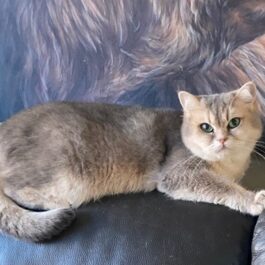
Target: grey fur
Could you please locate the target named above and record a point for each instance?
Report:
(34, 226)
(60, 155)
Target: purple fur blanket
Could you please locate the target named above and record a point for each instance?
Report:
(127, 51)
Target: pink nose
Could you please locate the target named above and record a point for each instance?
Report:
(222, 140)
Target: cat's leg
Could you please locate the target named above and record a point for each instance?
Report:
(208, 187)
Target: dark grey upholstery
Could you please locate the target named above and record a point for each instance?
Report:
(143, 229)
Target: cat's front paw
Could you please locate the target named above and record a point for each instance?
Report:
(260, 198)
(255, 209)
(257, 204)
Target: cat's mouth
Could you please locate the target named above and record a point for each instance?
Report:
(220, 148)
(221, 152)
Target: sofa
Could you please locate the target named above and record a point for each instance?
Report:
(142, 229)
(41, 61)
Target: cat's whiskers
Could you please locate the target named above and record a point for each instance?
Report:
(212, 147)
(252, 150)
(260, 143)
(256, 145)
(260, 148)
(259, 154)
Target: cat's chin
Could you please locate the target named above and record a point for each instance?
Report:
(212, 157)
(219, 155)
(215, 158)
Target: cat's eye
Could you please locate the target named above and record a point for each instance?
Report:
(206, 127)
(233, 123)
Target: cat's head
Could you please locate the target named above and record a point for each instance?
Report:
(216, 127)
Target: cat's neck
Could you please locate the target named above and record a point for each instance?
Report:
(233, 168)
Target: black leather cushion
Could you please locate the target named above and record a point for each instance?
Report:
(142, 229)
(258, 245)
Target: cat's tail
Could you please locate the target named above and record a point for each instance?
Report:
(32, 225)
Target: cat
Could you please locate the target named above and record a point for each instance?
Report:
(57, 156)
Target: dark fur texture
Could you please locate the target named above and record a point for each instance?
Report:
(126, 51)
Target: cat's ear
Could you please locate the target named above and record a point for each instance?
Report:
(188, 101)
(247, 93)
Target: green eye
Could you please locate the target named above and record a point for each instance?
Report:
(206, 127)
(233, 123)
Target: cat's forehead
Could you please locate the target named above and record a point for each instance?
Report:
(218, 102)
(219, 107)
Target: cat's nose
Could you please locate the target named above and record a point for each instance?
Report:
(222, 140)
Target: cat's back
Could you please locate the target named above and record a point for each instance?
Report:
(79, 113)
(65, 112)
(66, 119)
(60, 114)
(87, 139)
